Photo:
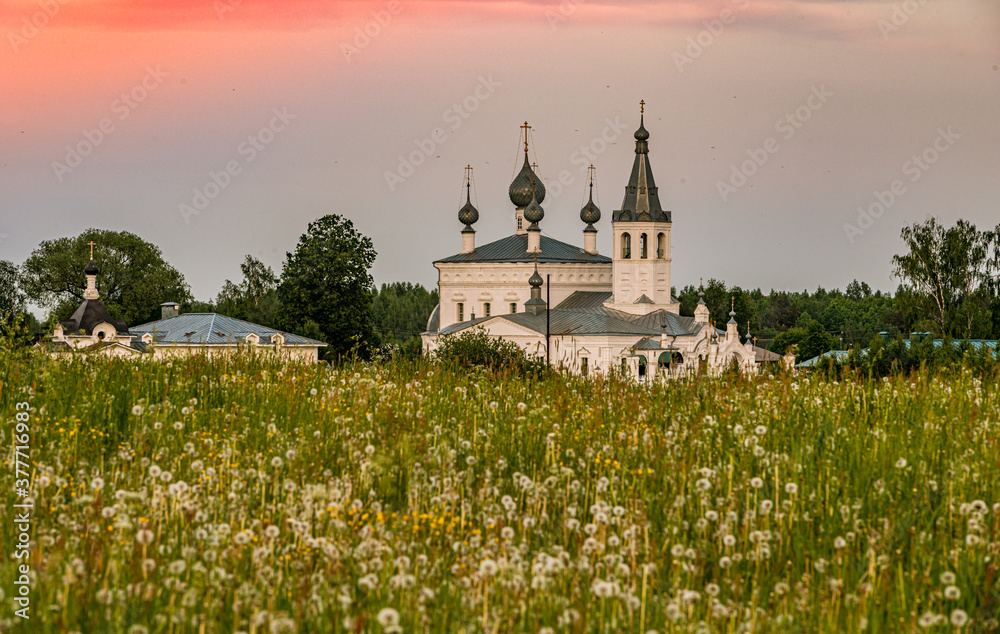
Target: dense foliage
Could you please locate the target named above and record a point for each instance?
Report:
(474, 348)
(134, 278)
(245, 494)
(949, 285)
(326, 289)
(400, 312)
(254, 298)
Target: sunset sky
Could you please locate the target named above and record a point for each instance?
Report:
(312, 105)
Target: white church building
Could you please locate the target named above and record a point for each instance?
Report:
(585, 311)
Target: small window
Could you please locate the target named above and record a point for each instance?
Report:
(486, 309)
(642, 366)
(626, 246)
(520, 222)
(643, 242)
(461, 311)
(513, 307)
(661, 246)
(583, 366)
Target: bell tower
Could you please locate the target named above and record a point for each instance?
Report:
(641, 242)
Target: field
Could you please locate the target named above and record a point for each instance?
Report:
(244, 495)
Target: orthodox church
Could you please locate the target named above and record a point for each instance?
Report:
(598, 312)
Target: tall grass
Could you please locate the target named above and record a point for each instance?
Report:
(243, 494)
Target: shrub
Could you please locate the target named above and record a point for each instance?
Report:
(474, 348)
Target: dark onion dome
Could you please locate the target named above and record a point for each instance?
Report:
(91, 268)
(534, 213)
(535, 281)
(524, 185)
(468, 214)
(641, 134)
(590, 213)
(701, 297)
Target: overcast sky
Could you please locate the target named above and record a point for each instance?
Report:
(771, 122)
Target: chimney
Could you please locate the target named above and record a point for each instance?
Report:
(169, 309)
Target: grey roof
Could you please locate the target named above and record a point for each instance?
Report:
(652, 344)
(585, 299)
(642, 200)
(592, 321)
(515, 249)
(644, 299)
(212, 328)
(762, 355)
(88, 315)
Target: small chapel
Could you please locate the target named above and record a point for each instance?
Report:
(582, 310)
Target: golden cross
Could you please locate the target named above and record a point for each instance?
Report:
(755, 341)
(642, 107)
(91, 243)
(701, 281)
(732, 304)
(526, 127)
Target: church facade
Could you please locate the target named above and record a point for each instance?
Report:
(598, 313)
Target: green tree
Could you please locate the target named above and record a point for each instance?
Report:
(784, 311)
(255, 298)
(18, 327)
(11, 296)
(948, 271)
(326, 281)
(133, 282)
(399, 313)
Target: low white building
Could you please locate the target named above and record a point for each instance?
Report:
(92, 330)
(605, 311)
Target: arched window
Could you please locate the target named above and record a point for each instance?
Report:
(626, 246)
(643, 251)
(642, 366)
(460, 312)
(661, 246)
(486, 309)
(668, 361)
(664, 361)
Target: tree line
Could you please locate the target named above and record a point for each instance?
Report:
(948, 284)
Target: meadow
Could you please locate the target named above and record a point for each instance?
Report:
(244, 495)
